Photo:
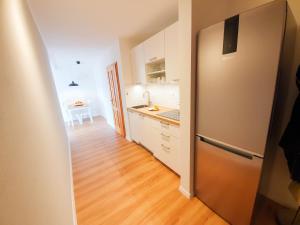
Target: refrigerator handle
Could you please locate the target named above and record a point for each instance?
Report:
(227, 148)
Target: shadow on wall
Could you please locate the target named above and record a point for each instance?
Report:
(275, 178)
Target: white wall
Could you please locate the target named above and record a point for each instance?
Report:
(187, 93)
(65, 70)
(134, 95)
(118, 53)
(91, 75)
(35, 169)
(108, 56)
(166, 95)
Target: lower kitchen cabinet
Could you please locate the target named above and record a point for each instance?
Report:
(149, 133)
(159, 137)
(134, 126)
(142, 130)
(168, 149)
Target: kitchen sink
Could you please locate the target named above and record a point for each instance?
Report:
(139, 106)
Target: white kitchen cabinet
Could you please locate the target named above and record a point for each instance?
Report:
(171, 53)
(138, 64)
(168, 151)
(169, 128)
(155, 47)
(135, 125)
(142, 132)
(142, 129)
(159, 137)
(148, 135)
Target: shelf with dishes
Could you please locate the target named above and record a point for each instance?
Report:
(156, 71)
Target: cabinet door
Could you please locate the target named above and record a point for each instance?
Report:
(155, 47)
(168, 151)
(134, 123)
(138, 64)
(171, 52)
(151, 135)
(142, 128)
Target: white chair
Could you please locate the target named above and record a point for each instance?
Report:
(69, 118)
(78, 112)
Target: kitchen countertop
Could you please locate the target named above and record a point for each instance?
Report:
(154, 114)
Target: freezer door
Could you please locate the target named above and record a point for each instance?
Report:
(227, 182)
(235, 91)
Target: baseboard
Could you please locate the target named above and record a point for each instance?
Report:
(75, 222)
(128, 138)
(186, 193)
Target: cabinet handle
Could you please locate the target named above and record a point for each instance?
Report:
(164, 123)
(162, 134)
(165, 148)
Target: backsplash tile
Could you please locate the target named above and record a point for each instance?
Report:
(161, 94)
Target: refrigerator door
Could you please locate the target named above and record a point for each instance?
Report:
(235, 91)
(227, 182)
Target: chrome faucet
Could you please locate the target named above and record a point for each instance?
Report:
(147, 93)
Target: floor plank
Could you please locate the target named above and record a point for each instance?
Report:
(119, 182)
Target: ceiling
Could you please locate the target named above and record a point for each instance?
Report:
(69, 24)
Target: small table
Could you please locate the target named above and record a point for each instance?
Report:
(79, 112)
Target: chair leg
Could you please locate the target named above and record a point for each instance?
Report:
(91, 117)
(81, 119)
(71, 119)
(78, 119)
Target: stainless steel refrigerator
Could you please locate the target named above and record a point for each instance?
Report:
(237, 72)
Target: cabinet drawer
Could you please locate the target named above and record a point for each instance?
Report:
(168, 153)
(169, 129)
(153, 123)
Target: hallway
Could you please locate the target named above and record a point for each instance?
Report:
(118, 182)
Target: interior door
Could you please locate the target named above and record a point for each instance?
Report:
(116, 98)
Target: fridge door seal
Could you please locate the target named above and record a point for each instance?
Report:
(232, 149)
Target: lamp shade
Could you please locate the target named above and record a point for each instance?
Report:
(73, 84)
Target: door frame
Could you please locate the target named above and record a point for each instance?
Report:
(115, 91)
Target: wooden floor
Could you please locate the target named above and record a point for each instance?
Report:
(119, 182)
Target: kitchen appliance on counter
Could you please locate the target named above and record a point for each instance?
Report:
(237, 74)
(173, 114)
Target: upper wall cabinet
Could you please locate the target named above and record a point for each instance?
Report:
(155, 47)
(138, 64)
(171, 53)
(156, 59)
